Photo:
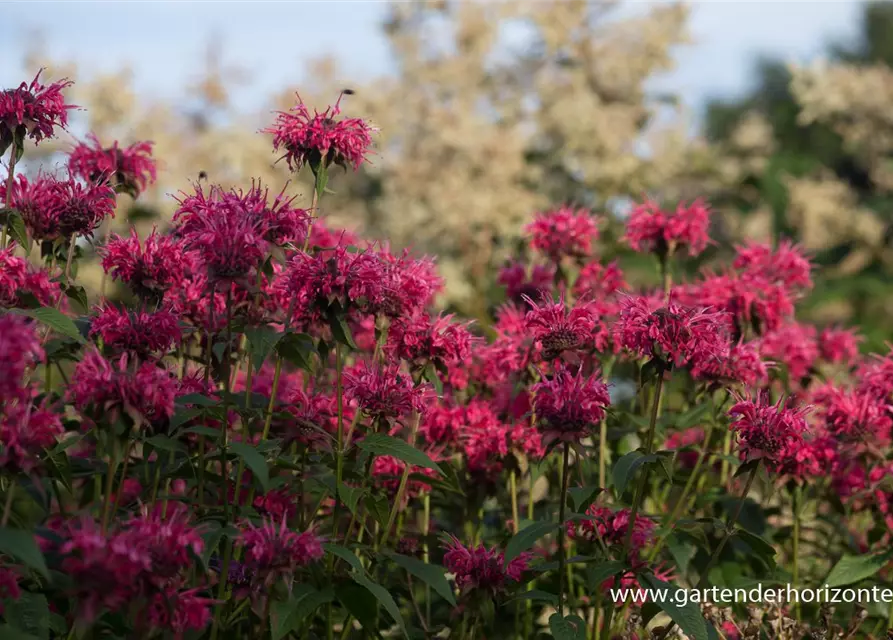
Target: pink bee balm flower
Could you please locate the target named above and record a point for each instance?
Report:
(765, 431)
(563, 232)
(558, 329)
(839, 346)
(854, 414)
(37, 201)
(652, 230)
(80, 208)
(673, 333)
(387, 472)
(422, 339)
(137, 331)
(686, 439)
(26, 432)
(785, 265)
(22, 285)
(20, 350)
(611, 526)
(597, 281)
(568, 406)
(794, 345)
(179, 612)
(169, 538)
(410, 284)
(319, 138)
(150, 268)
(481, 569)
(383, 392)
(102, 388)
(129, 169)
(34, 109)
(742, 365)
(275, 550)
(518, 284)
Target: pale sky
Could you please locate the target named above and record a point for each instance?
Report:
(164, 42)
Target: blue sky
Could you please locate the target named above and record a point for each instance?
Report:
(164, 42)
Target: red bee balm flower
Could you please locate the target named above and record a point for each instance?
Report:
(766, 431)
(652, 230)
(479, 568)
(21, 284)
(383, 392)
(563, 232)
(151, 269)
(567, 406)
(315, 138)
(33, 109)
(275, 550)
(140, 332)
(130, 169)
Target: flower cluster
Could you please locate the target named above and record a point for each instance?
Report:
(129, 169)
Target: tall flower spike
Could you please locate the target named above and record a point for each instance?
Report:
(319, 138)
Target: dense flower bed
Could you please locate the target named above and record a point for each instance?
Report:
(279, 435)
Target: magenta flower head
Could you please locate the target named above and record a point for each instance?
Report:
(481, 570)
(34, 110)
(129, 169)
(151, 268)
(169, 537)
(26, 432)
(786, 265)
(383, 392)
(273, 550)
(519, 285)
(557, 329)
(672, 334)
(568, 406)
(319, 139)
(20, 350)
(140, 332)
(423, 339)
(767, 431)
(652, 230)
(410, 284)
(179, 612)
(53, 209)
(23, 285)
(611, 527)
(562, 233)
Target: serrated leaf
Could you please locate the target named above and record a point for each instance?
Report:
(380, 444)
(287, 617)
(55, 320)
(384, 597)
(759, 546)
(341, 331)
(296, 348)
(430, 574)
(570, 628)
(688, 617)
(350, 496)
(254, 461)
(29, 613)
(79, 295)
(526, 538)
(850, 569)
(22, 546)
(260, 344)
(17, 229)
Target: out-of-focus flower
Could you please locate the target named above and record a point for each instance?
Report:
(273, 550)
(564, 232)
(839, 346)
(23, 285)
(652, 230)
(150, 268)
(612, 526)
(19, 351)
(320, 138)
(519, 285)
(383, 392)
(129, 169)
(137, 331)
(179, 612)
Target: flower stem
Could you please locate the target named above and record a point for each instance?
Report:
(649, 447)
(513, 488)
(10, 180)
(795, 573)
(7, 508)
(401, 489)
(561, 529)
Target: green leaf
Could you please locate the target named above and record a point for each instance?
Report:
(22, 546)
(254, 461)
(535, 595)
(164, 443)
(9, 632)
(526, 538)
(378, 507)
(570, 628)
(360, 603)
(79, 295)
(321, 173)
(432, 376)
(582, 497)
(380, 444)
(689, 617)
(598, 573)
(340, 331)
(30, 613)
(626, 467)
(287, 617)
(17, 228)
(350, 495)
(261, 342)
(384, 597)
(55, 320)
(759, 546)
(747, 467)
(296, 348)
(430, 574)
(197, 400)
(852, 569)
(345, 554)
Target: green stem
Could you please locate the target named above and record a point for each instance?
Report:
(10, 181)
(649, 447)
(401, 489)
(7, 508)
(561, 528)
(795, 574)
(513, 489)
(110, 477)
